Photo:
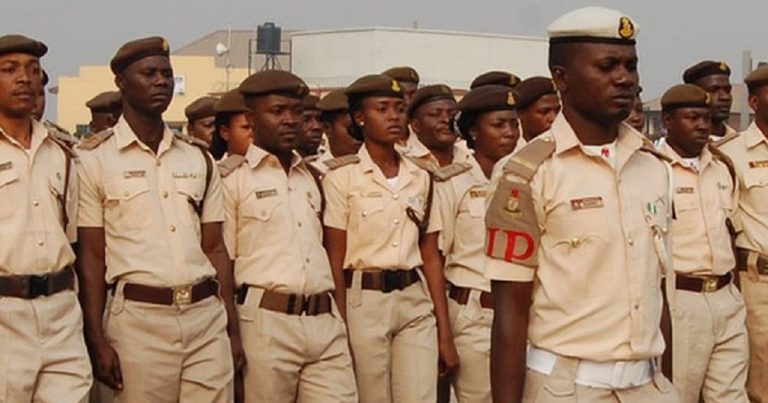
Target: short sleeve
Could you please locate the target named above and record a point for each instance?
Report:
(71, 204)
(90, 211)
(231, 200)
(336, 191)
(213, 208)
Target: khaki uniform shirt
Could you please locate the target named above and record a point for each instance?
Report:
(749, 154)
(462, 204)
(32, 237)
(380, 236)
(703, 200)
(318, 162)
(597, 283)
(272, 228)
(144, 202)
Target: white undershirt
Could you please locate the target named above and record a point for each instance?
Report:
(392, 181)
(694, 163)
(607, 151)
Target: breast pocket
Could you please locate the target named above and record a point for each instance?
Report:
(127, 203)
(687, 212)
(261, 210)
(367, 218)
(8, 193)
(756, 182)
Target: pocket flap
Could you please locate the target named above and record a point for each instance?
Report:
(125, 189)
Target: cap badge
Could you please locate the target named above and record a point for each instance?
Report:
(510, 99)
(723, 66)
(626, 28)
(513, 80)
(708, 99)
(164, 45)
(395, 86)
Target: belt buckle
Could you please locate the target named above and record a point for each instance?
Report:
(38, 285)
(182, 295)
(391, 282)
(709, 284)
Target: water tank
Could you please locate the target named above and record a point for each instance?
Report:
(268, 38)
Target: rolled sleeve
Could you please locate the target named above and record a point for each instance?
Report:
(229, 229)
(501, 270)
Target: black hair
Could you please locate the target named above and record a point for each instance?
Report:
(219, 146)
(463, 122)
(330, 117)
(560, 54)
(355, 104)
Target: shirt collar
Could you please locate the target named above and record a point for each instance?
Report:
(705, 158)
(125, 136)
(628, 141)
(754, 136)
(257, 155)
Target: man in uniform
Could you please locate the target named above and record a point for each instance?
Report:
(710, 344)
(311, 132)
(39, 110)
(714, 77)
(294, 338)
(44, 358)
(335, 121)
(749, 153)
(151, 201)
(495, 78)
(575, 235)
(430, 116)
(201, 118)
(537, 105)
(106, 109)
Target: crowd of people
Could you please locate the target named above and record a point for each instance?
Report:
(387, 242)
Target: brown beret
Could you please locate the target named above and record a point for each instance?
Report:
(21, 44)
(403, 74)
(274, 82)
(200, 108)
(428, 94)
(685, 96)
(488, 98)
(107, 101)
(705, 68)
(138, 49)
(335, 101)
(374, 85)
(231, 102)
(495, 78)
(310, 102)
(531, 89)
(757, 78)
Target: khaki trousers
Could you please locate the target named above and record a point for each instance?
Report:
(42, 350)
(559, 387)
(755, 291)
(170, 353)
(394, 342)
(471, 326)
(294, 358)
(710, 351)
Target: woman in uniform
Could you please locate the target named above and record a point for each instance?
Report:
(232, 132)
(381, 230)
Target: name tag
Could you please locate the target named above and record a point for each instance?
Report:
(373, 194)
(134, 174)
(684, 190)
(184, 175)
(474, 194)
(758, 164)
(6, 166)
(261, 194)
(587, 203)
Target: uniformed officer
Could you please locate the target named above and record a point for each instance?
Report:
(495, 77)
(381, 232)
(151, 200)
(201, 119)
(575, 235)
(709, 334)
(489, 125)
(714, 77)
(408, 79)
(636, 117)
(234, 132)
(311, 134)
(430, 117)
(44, 358)
(293, 334)
(39, 110)
(749, 153)
(335, 121)
(106, 109)
(537, 105)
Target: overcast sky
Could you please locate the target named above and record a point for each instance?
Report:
(673, 33)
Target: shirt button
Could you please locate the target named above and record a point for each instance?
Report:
(157, 163)
(397, 221)
(630, 241)
(394, 244)
(126, 193)
(40, 242)
(165, 195)
(299, 224)
(306, 260)
(365, 213)
(173, 228)
(35, 203)
(637, 306)
(395, 197)
(575, 242)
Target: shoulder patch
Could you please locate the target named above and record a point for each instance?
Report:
(422, 163)
(191, 140)
(94, 140)
(447, 172)
(650, 148)
(339, 162)
(512, 229)
(527, 161)
(229, 164)
(725, 139)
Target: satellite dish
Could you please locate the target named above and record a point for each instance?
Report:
(221, 49)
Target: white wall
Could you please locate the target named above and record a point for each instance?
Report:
(335, 58)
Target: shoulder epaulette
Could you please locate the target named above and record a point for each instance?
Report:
(527, 161)
(94, 140)
(650, 148)
(229, 164)
(725, 139)
(339, 162)
(191, 140)
(447, 172)
(422, 163)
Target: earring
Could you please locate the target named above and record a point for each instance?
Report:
(361, 124)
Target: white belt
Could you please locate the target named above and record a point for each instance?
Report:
(603, 375)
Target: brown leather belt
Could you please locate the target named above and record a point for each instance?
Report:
(291, 304)
(741, 261)
(461, 295)
(385, 281)
(37, 285)
(184, 295)
(702, 284)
